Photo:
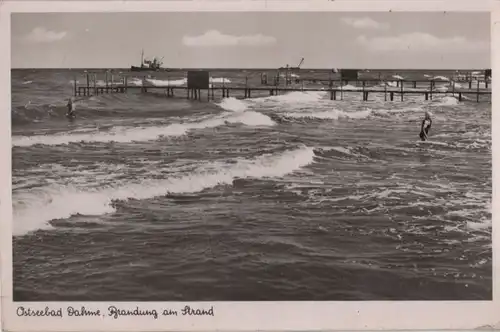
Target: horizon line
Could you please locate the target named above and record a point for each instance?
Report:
(243, 68)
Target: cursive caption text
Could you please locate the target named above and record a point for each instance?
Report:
(112, 311)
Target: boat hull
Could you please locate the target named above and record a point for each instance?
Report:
(134, 68)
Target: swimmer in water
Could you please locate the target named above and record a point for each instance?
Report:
(71, 108)
(426, 126)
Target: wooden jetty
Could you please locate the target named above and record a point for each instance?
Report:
(335, 88)
(407, 83)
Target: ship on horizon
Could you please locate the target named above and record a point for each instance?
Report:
(148, 65)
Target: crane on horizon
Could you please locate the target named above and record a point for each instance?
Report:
(293, 68)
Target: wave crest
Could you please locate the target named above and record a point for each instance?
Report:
(37, 208)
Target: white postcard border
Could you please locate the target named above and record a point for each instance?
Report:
(364, 315)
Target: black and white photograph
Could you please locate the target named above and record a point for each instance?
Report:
(251, 156)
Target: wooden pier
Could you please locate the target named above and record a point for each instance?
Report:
(336, 89)
(406, 83)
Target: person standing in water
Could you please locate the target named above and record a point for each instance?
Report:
(426, 126)
(71, 108)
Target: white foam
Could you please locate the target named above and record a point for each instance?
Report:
(442, 88)
(117, 134)
(345, 151)
(295, 97)
(331, 114)
(457, 86)
(33, 210)
(480, 225)
(233, 104)
(398, 77)
(391, 112)
(123, 134)
(102, 83)
(441, 78)
(339, 149)
(219, 80)
(387, 193)
(177, 82)
(350, 87)
(165, 83)
(156, 82)
(448, 101)
(431, 143)
(36, 208)
(250, 118)
(135, 81)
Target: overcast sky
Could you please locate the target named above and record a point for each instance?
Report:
(326, 40)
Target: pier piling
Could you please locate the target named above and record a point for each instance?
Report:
(477, 94)
(87, 91)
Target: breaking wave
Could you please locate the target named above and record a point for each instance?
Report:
(232, 104)
(37, 207)
(123, 134)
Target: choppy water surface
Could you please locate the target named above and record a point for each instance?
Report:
(291, 197)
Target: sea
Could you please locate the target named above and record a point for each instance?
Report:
(290, 197)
